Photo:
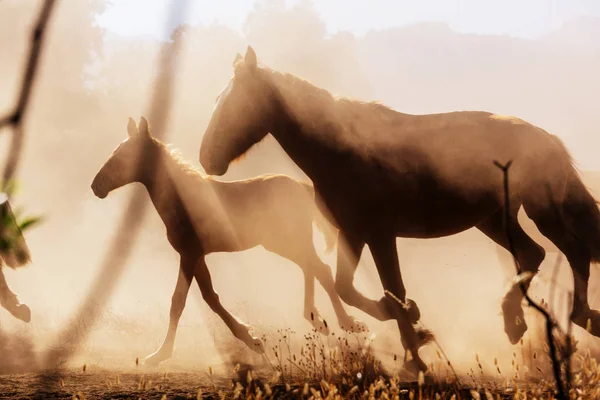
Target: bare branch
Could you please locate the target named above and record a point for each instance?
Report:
(550, 323)
(16, 117)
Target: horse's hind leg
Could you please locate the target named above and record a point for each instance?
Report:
(529, 255)
(11, 302)
(184, 280)
(239, 329)
(579, 258)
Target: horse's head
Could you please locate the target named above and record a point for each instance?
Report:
(122, 167)
(241, 118)
(13, 248)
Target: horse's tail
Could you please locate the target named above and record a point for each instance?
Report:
(581, 214)
(327, 229)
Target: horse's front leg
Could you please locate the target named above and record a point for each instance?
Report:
(386, 260)
(11, 303)
(348, 256)
(186, 274)
(238, 328)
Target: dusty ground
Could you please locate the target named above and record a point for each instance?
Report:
(109, 385)
(106, 385)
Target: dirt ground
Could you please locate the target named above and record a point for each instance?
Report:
(110, 385)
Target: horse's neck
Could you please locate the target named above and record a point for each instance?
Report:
(162, 188)
(307, 131)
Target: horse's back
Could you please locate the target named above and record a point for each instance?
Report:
(434, 175)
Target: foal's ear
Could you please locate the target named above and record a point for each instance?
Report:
(237, 58)
(132, 129)
(250, 58)
(144, 127)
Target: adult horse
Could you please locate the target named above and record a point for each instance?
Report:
(382, 174)
(204, 216)
(14, 253)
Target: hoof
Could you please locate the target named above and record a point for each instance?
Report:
(414, 366)
(318, 323)
(18, 310)
(514, 320)
(154, 359)
(257, 346)
(23, 313)
(588, 320)
(354, 325)
(414, 314)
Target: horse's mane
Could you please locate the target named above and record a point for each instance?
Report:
(324, 99)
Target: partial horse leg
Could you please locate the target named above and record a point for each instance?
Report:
(325, 278)
(386, 260)
(298, 247)
(239, 329)
(184, 280)
(579, 259)
(348, 256)
(11, 302)
(313, 267)
(311, 314)
(529, 255)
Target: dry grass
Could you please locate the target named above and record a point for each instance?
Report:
(312, 366)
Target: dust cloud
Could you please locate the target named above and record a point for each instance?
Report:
(91, 81)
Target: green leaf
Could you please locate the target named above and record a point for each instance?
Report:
(28, 222)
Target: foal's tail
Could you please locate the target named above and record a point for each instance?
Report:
(327, 229)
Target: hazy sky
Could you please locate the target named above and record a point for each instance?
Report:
(525, 18)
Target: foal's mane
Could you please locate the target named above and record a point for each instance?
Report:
(175, 155)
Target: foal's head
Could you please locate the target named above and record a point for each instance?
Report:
(242, 116)
(122, 167)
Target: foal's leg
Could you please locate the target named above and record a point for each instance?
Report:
(313, 267)
(10, 301)
(239, 329)
(386, 259)
(311, 313)
(299, 249)
(184, 280)
(323, 273)
(529, 255)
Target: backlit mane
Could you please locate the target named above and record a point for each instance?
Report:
(175, 155)
(341, 109)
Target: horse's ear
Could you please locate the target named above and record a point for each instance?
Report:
(237, 58)
(144, 127)
(132, 129)
(250, 58)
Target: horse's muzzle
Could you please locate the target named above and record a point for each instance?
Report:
(99, 190)
(211, 167)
